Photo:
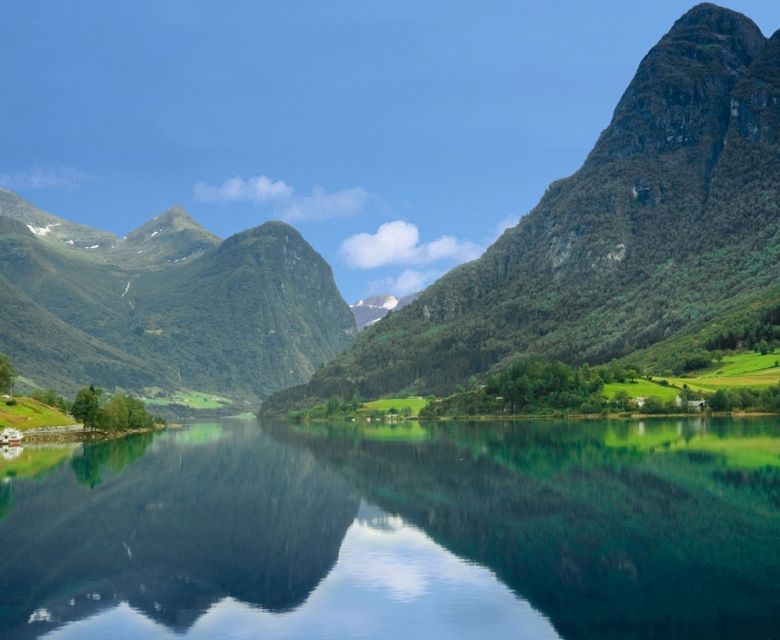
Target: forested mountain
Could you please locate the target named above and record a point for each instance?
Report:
(168, 306)
(670, 224)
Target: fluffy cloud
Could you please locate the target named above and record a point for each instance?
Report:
(45, 178)
(318, 205)
(259, 189)
(398, 243)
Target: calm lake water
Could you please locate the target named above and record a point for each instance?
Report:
(656, 529)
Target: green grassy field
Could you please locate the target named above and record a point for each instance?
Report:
(415, 403)
(29, 413)
(739, 370)
(641, 388)
(192, 399)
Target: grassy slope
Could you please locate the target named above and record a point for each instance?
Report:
(641, 388)
(192, 399)
(738, 370)
(415, 403)
(29, 413)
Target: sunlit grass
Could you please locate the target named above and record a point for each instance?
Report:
(28, 414)
(747, 369)
(192, 399)
(414, 403)
(640, 388)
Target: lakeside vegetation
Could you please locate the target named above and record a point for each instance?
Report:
(29, 413)
(746, 381)
(187, 398)
(92, 407)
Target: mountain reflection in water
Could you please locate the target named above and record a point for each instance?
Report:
(590, 529)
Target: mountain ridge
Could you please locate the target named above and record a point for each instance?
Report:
(671, 214)
(169, 307)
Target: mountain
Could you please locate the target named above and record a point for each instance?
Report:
(261, 309)
(169, 306)
(52, 228)
(374, 308)
(171, 237)
(669, 226)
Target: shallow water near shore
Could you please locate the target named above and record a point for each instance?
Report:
(576, 529)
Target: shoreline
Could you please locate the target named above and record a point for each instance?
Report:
(524, 417)
(77, 433)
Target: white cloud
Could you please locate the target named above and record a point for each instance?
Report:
(318, 205)
(44, 178)
(398, 242)
(258, 189)
(408, 281)
(321, 205)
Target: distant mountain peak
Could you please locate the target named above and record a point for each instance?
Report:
(718, 19)
(170, 237)
(368, 311)
(51, 228)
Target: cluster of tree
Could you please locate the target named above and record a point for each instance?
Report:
(761, 334)
(530, 385)
(336, 408)
(746, 399)
(119, 413)
(51, 398)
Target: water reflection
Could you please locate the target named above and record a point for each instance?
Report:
(591, 529)
(611, 530)
(390, 580)
(172, 533)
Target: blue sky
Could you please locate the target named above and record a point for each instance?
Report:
(398, 137)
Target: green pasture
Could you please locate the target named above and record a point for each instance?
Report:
(641, 388)
(28, 414)
(192, 399)
(414, 403)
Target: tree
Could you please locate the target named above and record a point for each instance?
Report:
(720, 401)
(622, 400)
(7, 374)
(86, 407)
(117, 413)
(763, 347)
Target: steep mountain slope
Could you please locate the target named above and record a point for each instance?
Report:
(261, 311)
(56, 354)
(670, 222)
(244, 317)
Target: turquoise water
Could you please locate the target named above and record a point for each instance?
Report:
(535, 530)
